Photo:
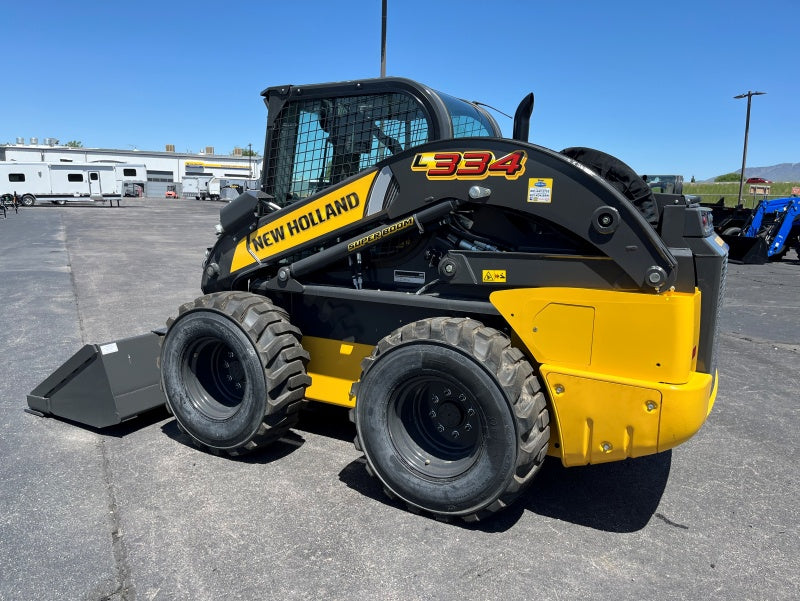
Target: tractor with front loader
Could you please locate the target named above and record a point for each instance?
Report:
(477, 302)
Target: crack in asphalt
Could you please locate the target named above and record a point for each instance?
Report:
(783, 346)
(666, 520)
(124, 590)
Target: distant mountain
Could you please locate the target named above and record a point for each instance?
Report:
(784, 172)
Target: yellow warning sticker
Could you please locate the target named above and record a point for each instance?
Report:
(494, 276)
(540, 189)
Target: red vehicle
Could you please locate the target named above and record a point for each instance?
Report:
(171, 194)
(758, 180)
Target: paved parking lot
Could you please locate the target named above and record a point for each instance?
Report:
(136, 513)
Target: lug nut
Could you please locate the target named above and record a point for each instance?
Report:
(432, 414)
(470, 412)
(454, 434)
(468, 427)
(440, 428)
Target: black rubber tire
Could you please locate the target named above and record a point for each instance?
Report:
(233, 371)
(732, 231)
(406, 425)
(621, 177)
(27, 200)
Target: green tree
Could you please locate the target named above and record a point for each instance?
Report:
(74, 144)
(249, 153)
(729, 177)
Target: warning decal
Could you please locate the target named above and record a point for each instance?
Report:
(540, 189)
(494, 276)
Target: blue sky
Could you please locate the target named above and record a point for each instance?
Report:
(650, 82)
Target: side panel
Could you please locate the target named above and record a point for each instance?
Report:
(334, 367)
(69, 180)
(599, 419)
(635, 335)
(37, 178)
(619, 368)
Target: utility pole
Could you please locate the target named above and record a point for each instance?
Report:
(250, 159)
(383, 39)
(749, 96)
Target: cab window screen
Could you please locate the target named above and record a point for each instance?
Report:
(319, 143)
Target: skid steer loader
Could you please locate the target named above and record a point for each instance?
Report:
(478, 302)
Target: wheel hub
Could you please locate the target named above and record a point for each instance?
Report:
(216, 377)
(435, 426)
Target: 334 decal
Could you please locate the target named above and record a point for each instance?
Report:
(473, 164)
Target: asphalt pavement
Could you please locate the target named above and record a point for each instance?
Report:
(136, 513)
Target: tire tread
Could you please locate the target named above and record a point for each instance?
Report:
(277, 343)
(512, 371)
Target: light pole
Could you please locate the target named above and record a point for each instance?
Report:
(383, 38)
(749, 96)
(250, 159)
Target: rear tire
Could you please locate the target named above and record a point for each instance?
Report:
(451, 417)
(233, 371)
(28, 200)
(621, 177)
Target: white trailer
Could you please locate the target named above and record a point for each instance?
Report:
(195, 186)
(228, 188)
(61, 183)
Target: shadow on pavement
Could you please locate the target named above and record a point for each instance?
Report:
(276, 451)
(614, 497)
(327, 420)
(130, 426)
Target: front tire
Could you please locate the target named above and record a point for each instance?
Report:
(451, 417)
(233, 371)
(28, 200)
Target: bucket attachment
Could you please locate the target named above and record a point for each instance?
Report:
(103, 384)
(747, 250)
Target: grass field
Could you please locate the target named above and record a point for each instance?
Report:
(730, 191)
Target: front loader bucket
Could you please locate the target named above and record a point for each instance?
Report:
(103, 384)
(747, 250)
